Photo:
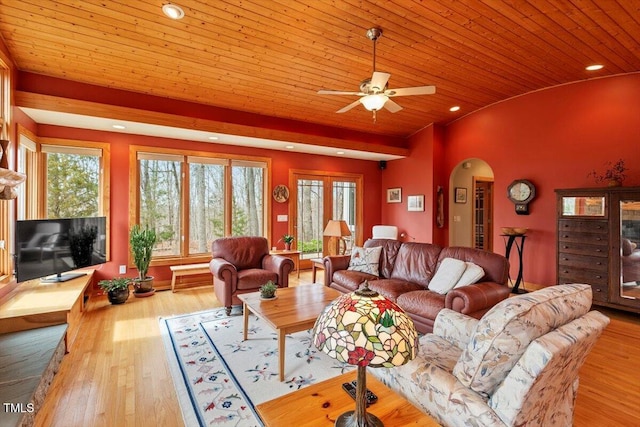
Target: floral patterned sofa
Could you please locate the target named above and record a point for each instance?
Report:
(517, 365)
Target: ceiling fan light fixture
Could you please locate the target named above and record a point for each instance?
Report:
(173, 11)
(374, 102)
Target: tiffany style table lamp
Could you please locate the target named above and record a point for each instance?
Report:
(363, 328)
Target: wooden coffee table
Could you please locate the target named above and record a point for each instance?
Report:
(295, 309)
(320, 404)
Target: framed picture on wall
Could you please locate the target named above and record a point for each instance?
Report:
(461, 195)
(415, 203)
(394, 195)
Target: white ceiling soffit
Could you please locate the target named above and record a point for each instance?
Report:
(104, 124)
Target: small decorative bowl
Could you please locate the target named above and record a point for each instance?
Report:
(520, 230)
(508, 231)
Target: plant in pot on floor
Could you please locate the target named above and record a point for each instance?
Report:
(268, 290)
(117, 289)
(142, 241)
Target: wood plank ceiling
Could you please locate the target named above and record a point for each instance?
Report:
(272, 56)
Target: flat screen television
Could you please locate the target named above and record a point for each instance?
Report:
(49, 248)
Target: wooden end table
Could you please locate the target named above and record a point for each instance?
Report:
(295, 309)
(293, 255)
(316, 264)
(320, 404)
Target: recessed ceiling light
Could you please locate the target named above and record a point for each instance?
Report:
(173, 11)
(118, 127)
(594, 67)
(213, 138)
(289, 147)
(454, 108)
(339, 152)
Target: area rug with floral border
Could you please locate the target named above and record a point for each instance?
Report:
(220, 378)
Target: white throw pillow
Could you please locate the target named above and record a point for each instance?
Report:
(365, 259)
(471, 275)
(447, 275)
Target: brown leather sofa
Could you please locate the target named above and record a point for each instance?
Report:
(405, 270)
(243, 264)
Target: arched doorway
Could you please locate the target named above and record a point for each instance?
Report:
(471, 205)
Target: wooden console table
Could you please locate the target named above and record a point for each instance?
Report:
(35, 305)
(293, 255)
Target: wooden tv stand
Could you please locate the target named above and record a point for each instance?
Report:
(34, 305)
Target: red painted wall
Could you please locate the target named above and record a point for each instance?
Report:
(553, 137)
(418, 174)
(281, 163)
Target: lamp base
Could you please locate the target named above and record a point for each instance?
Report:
(349, 419)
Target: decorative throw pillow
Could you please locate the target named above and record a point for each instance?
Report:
(627, 247)
(365, 260)
(472, 274)
(447, 275)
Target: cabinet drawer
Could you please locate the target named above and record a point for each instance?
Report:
(581, 275)
(601, 227)
(599, 293)
(582, 237)
(597, 263)
(581, 248)
(598, 290)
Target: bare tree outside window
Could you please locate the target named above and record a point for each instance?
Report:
(206, 206)
(160, 203)
(247, 200)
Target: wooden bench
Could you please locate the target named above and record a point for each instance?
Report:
(187, 270)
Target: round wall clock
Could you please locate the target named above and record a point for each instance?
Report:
(521, 192)
(281, 193)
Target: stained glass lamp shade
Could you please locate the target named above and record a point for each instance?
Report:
(363, 328)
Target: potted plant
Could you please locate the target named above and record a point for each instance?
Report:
(117, 289)
(288, 240)
(614, 175)
(142, 241)
(268, 290)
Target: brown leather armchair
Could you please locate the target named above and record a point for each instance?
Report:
(243, 264)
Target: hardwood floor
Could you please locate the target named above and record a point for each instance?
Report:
(117, 375)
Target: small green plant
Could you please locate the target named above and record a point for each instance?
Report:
(268, 290)
(287, 238)
(114, 284)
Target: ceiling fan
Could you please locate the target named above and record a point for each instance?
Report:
(374, 92)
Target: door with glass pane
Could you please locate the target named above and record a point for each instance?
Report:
(319, 198)
(483, 214)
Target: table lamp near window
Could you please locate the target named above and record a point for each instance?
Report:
(336, 230)
(363, 328)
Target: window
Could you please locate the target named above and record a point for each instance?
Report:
(206, 202)
(160, 182)
(247, 179)
(6, 209)
(191, 199)
(72, 171)
(64, 168)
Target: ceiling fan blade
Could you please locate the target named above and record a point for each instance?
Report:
(392, 106)
(379, 80)
(418, 90)
(349, 107)
(339, 92)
